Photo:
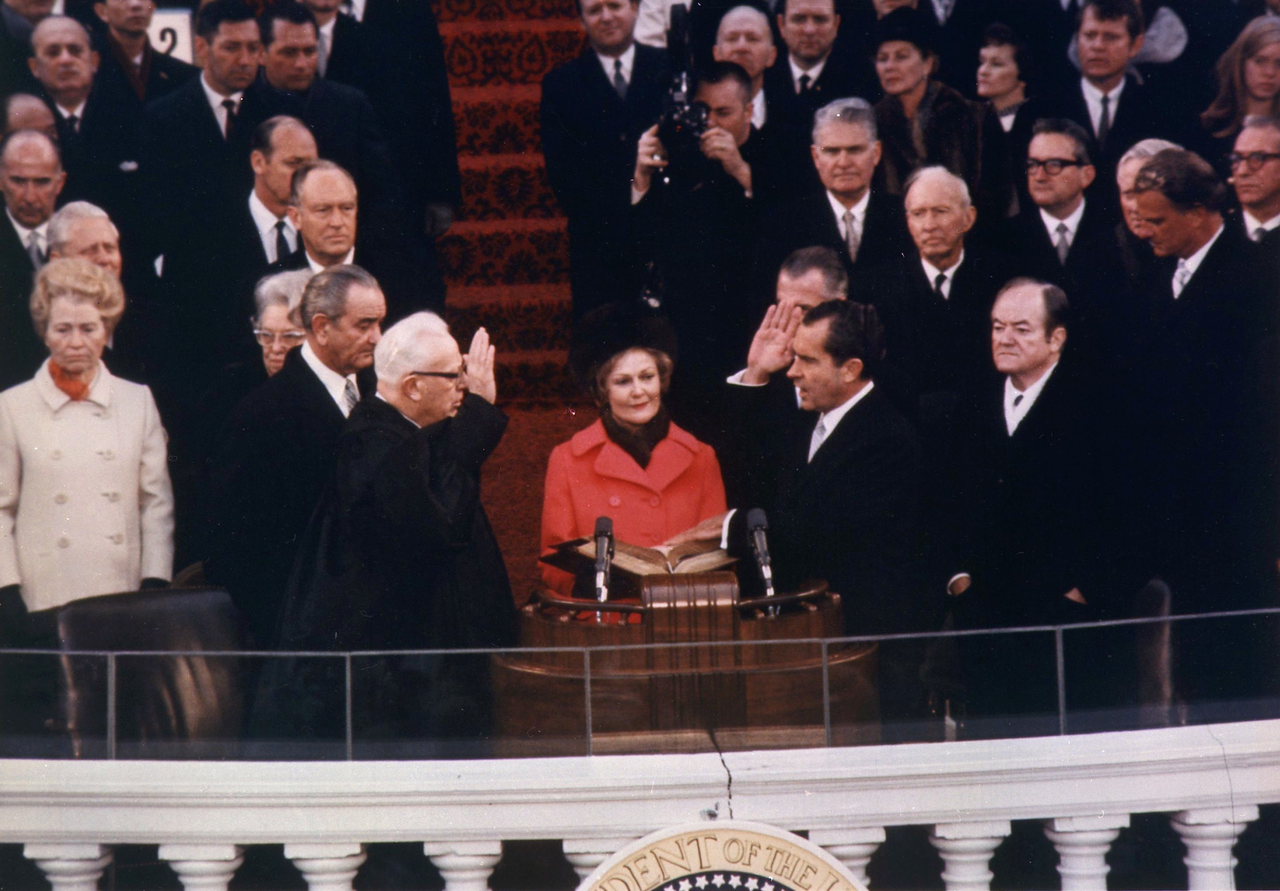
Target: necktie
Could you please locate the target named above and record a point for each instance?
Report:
(34, 252)
(1017, 400)
(322, 53)
(1257, 233)
(619, 82)
(938, 282)
(819, 435)
(230, 106)
(1061, 244)
(1180, 278)
(282, 243)
(1104, 122)
(73, 121)
(852, 239)
(350, 396)
(805, 80)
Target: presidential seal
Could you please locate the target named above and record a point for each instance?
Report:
(727, 855)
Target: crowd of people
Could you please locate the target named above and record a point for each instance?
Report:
(978, 299)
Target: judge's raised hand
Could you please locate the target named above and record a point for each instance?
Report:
(480, 379)
(770, 350)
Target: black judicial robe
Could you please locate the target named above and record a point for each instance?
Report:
(398, 555)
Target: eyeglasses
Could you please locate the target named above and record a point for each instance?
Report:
(1052, 166)
(290, 339)
(1252, 160)
(458, 377)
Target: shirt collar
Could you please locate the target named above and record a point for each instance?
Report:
(627, 59)
(1094, 95)
(24, 234)
(1013, 414)
(378, 395)
(832, 418)
(1251, 222)
(1072, 221)
(335, 383)
(263, 218)
(327, 31)
(859, 209)
(317, 268)
(78, 111)
(1193, 262)
(814, 73)
(215, 98)
(757, 110)
(357, 9)
(932, 272)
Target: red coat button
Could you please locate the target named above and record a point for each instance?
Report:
(614, 500)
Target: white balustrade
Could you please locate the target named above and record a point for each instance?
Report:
(1082, 844)
(68, 813)
(1210, 834)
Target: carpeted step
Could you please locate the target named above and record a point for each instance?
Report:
(492, 10)
(507, 52)
(497, 120)
(511, 187)
(533, 317)
(536, 376)
(515, 252)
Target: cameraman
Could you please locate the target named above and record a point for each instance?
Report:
(695, 205)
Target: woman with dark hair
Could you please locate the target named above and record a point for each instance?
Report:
(1248, 84)
(633, 465)
(923, 122)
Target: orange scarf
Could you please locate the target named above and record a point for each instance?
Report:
(77, 389)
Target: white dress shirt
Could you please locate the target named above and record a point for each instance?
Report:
(325, 35)
(317, 268)
(335, 383)
(215, 102)
(829, 420)
(1192, 263)
(859, 214)
(1093, 99)
(814, 73)
(1252, 224)
(1016, 409)
(356, 10)
(24, 234)
(266, 222)
(1072, 223)
(757, 110)
(627, 59)
(932, 272)
(78, 111)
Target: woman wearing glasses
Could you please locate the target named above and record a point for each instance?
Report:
(633, 465)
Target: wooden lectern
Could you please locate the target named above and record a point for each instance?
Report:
(725, 672)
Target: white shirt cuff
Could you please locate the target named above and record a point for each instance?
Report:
(737, 379)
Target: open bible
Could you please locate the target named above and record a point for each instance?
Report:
(631, 563)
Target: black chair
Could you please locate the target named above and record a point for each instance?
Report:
(170, 706)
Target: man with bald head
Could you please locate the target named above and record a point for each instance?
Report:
(744, 38)
(31, 179)
(98, 139)
(399, 553)
(22, 111)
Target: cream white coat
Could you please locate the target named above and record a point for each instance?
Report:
(86, 506)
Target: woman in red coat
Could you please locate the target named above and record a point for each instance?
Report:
(634, 466)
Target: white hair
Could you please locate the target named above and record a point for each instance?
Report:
(407, 344)
(942, 174)
(59, 231)
(1147, 148)
(282, 289)
(851, 110)
(749, 11)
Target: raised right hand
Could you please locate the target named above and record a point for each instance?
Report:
(770, 350)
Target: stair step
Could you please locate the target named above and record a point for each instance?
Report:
(536, 376)
(496, 122)
(515, 324)
(495, 252)
(506, 187)
(490, 295)
(488, 10)
(507, 52)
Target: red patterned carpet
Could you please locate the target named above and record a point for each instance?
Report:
(506, 258)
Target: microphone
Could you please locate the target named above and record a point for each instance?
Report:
(604, 556)
(757, 524)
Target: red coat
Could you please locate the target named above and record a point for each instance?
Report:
(590, 476)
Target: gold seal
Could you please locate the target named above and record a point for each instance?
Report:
(727, 855)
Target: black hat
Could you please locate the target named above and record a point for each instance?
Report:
(906, 23)
(615, 328)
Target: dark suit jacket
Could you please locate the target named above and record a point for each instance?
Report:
(589, 138)
(809, 221)
(1027, 240)
(15, 76)
(164, 74)
(274, 455)
(21, 352)
(850, 515)
(101, 158)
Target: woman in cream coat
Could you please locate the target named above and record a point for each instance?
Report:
(86, 506)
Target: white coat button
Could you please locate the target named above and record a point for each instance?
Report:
(56, 455)
(107, 455)
(59, 498)
(614, 500)
(113, 497)
(117, 538)
(64, 542)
